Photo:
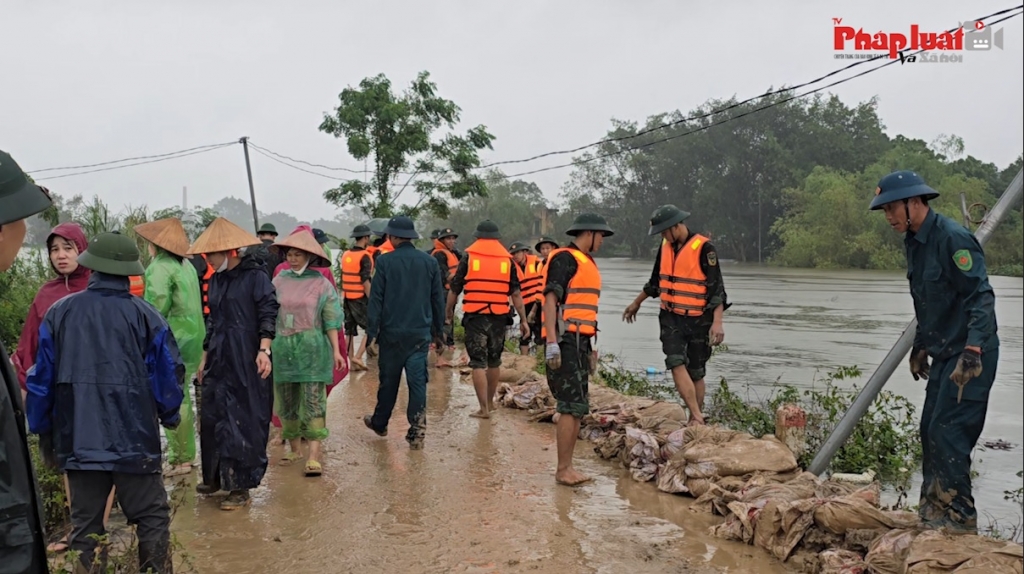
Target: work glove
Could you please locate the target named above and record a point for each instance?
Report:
(968, 366)
(919, 367)
(553, 356)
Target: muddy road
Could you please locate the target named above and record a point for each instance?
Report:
(480, 497)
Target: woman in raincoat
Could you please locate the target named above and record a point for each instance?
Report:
(64, 244)
(172, 286)
(233, 373)
(306, 346)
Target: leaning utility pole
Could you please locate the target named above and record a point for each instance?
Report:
(252, 192)
(888, 365)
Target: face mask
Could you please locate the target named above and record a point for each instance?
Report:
(223, 265)
(303, 270)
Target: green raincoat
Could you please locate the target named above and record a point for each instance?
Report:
(173, 288)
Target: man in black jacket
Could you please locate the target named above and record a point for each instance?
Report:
(22, 541)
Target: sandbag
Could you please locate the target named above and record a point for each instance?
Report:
(533, 394)
(673, 443)
(644, 454)
(743, 456)
(888, 552)
(837, 515)
(841, 562)
(664, 410)
(781, 525)
(934, 552)
(514, 366)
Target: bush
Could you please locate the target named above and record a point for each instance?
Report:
(18, 287)
(884, 440)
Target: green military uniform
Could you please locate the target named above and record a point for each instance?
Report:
(570, 382)
(955, 308)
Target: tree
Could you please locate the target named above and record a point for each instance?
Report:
(236, 211)
(195, 221)
(510, 204)
(395, 133)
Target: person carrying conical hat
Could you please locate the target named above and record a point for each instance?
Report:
(172, 286)
(234, 372)
(307, 347)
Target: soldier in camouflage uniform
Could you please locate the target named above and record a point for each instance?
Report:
(572, 288)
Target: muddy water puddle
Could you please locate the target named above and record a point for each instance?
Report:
(480, 497)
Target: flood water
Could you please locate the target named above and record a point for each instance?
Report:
(481, 497)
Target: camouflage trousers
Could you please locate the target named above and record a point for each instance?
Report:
(485, 339)
(570, 382)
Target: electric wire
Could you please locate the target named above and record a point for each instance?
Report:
(199, 151)
(142, 157)
(735, 105)
(321, 166)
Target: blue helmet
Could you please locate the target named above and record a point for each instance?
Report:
(901, 185)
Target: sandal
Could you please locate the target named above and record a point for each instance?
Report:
(314, 468)
(58, 547)
(289, 458)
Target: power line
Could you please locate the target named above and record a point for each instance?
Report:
(162, 155)
(321, 166)
(199, 151)
(736, 104)
(731, 118)
(267, 154)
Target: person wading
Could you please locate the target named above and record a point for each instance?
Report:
(572, 289)
(22, 539)
(406, 312)
(173, 288)
(356, 272)
(532, 291)
(688, 280)
(444, 252)
(306, 347)
(956, 329)
(132, 383)
(235, 368)
(486, 277)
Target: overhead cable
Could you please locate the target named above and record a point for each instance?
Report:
(159, 159)
(142, 157)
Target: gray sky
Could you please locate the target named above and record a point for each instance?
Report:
(86, 82)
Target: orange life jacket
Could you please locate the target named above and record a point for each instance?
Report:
(351, 282)
(137, 285)
(453, 261)
(531, 281)
(488, 275)
(683, 284)
(579, 312)
(206, 286)
(386, 247)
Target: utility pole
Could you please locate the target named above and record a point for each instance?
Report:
(888, 365)
(252, 192)
(759, 227)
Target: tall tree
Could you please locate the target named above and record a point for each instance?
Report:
(513, 205)
(395, 132)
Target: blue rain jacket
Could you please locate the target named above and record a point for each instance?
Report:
(107, 374)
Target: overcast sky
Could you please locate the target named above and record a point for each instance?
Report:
(90, 81)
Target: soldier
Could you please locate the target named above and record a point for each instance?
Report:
(356, 273)
(487, 279)
(22, 541)
(688, 280)
(544, 247)
(955, 309)
(572, 288)
(532, 291)
(443, 251)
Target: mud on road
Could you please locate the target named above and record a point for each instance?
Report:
(480, 497)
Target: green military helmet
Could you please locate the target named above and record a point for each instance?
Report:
(267, 228)
(487, 229)
(901, 186)
(113, 254)
(433, 234)
(665, 217)
(518, 246)
(361, 231)
(20, 197)
(589, 222)
(545, 239)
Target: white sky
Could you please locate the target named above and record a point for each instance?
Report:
(86, 82)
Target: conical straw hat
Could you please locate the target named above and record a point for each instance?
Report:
(167, 234)
(222, 235)
(305, 241)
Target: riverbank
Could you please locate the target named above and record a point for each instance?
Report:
(757, 485)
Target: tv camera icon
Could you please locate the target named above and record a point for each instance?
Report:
(979, 37)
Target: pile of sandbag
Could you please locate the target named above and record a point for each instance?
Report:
(824, 527)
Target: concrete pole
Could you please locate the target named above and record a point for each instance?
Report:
(895, 357)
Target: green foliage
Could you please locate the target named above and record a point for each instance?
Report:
(613, 374)
(395, 132)
(885, 439)
(1017, 494)
(194, 222)
(513, 205)
(18, 287)
(56, 517)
